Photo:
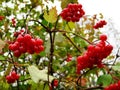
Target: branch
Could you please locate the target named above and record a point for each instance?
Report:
(117, 56)
(72, 42)
(47, 29)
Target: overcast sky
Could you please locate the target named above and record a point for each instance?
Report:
(109, 8)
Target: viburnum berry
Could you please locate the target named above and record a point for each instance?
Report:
(55, 82)
(100, 24)
(103, 37)
(20, 38)
(25, 43)
(12, 77)
(73, 12)
(94, 55)
(39, 41)
(17, 53)
(27, 37)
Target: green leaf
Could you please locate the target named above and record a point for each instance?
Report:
(38, 75)
(70, 26)
(51, 16)
(2, 57)
(105, 80)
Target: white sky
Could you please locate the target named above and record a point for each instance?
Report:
(109, 9)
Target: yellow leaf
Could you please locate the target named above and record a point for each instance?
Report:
(51, 16)
(2, 44)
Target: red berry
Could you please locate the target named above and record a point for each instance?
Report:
(94, 55)
(100, 24)
(73, 12)
(13, 73)
(13, 47)
(103, 37)
(27, 37)
(22, 49)
(20, 38)
(39, 41)
(17, 53)
(41, 47)
(8, 77)
(55, 83)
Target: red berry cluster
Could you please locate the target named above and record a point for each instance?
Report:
(25, 43)
(115, 86)
(12, 77)
(100, 24)
(73, 12)
(13, 22)
(69, 58)
(94, 54)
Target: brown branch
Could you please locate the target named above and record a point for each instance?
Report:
(72, 42)
(47, 29)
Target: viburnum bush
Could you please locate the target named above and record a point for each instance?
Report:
(46, 48)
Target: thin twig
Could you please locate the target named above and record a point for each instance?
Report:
(72, 42)
(47, 29)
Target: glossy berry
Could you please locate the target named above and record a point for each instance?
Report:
(55, 83)
(25, 43)
(12, 77)
(27, 37)
(100, 24)
(94, 55)
(103, 37)
(73, 12)
(17, 53)
(39, 41)
(20, 38)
